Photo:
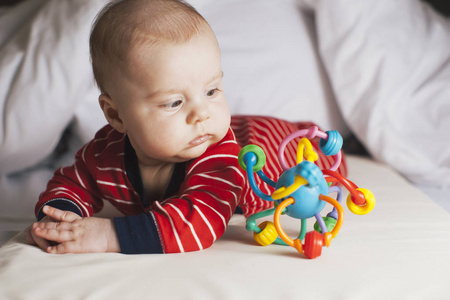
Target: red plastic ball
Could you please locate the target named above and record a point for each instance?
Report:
(313, 244)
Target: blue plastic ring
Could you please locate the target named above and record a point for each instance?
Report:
(332, 145)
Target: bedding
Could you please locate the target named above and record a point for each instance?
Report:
(360, 67)
(398, 251)
(395, 95)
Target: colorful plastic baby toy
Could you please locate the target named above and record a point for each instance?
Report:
(302, 191)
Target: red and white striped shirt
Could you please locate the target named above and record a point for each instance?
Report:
(202, 195)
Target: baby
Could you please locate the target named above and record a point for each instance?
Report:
(168, 157)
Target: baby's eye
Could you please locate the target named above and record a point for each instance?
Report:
(212, 92)
(172, 105)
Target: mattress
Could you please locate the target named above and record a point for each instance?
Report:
(398, 251)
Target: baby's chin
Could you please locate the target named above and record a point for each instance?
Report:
(195, 152)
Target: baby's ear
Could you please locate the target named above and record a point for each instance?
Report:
(111, 112)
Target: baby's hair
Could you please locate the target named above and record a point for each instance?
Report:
(122, 25)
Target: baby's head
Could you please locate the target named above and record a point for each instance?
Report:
(158, 66)
(124, 25)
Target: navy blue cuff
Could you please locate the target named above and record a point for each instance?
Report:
(62, 204)
(138, 234)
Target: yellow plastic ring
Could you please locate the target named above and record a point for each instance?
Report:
(268, 234)
(284, 192)
(305, 150)
(362, 209)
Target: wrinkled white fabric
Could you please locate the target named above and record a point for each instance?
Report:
(389, 66)
(45, 75)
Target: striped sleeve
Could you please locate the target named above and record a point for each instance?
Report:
(207, 198)
(71, 188)
(76, 187)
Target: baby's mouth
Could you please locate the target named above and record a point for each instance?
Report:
(200, 140)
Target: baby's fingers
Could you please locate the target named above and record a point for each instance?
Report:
(30, 239)
(58, 249)
(54, 225)
(60, 215)
(66, 247)
(58, 235)
(33, 239)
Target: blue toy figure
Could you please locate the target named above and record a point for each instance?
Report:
(302, 191)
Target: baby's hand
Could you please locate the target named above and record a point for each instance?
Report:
(33, 239)
(74, 234)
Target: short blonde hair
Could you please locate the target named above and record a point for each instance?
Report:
(122, 25)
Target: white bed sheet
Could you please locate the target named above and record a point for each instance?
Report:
(399, 251)
(440, 196)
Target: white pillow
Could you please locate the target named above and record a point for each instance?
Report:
(270, 61)
(389, 65)
(45, 74)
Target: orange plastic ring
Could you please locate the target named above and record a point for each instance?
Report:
(297, 244)
(340, 219)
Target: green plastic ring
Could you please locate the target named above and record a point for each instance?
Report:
(260, 157)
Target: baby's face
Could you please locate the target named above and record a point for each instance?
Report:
(173, 106)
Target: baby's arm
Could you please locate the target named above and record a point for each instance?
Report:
(74, 234)
(73, 188)
(199, 213)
